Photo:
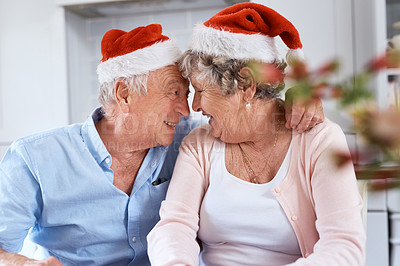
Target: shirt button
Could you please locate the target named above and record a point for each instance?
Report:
(153, 164)
(107, 160)
(294, 218)
(133, 239)
(277, 191)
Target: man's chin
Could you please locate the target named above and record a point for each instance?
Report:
(167, 140)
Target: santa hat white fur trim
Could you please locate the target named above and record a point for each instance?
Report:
(294, 55)
(233, 45)
(139, 62)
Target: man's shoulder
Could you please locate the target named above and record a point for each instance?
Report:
(40, 149)
(50, 135)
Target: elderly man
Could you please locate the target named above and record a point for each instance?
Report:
(91, 192)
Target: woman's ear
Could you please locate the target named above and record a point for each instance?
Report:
(121, 94)
(250, 88)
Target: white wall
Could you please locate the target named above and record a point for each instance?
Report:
(325, 28)
(33, 78)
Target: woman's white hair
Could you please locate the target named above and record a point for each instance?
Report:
(137, 83)
(225, 72)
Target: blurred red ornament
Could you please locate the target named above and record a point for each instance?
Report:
(299, 71)
(328, 68)
(337, 92)
(342, 158)
(390, 59)
(272, 74)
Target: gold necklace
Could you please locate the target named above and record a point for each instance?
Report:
(252, 176)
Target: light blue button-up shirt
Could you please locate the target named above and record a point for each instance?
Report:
(60, 184)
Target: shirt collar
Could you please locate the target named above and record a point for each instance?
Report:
(94, 143)
(92, 138)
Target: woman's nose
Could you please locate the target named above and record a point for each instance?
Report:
(196, 102)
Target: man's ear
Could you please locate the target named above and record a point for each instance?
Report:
(121, 94)
(250, 88)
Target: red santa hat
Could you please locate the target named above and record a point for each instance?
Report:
(137, 52)
(247, 31)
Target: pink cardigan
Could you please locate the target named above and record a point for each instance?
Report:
(320, 200)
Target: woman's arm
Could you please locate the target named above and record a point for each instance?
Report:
(337, 203)
(173, 240)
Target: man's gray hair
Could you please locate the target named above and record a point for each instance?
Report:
(225, 72)
(137, 83)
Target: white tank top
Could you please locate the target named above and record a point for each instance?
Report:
(242, 223)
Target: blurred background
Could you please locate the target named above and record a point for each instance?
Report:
(49, 51)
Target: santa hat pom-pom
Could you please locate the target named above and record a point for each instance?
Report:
(294, 55)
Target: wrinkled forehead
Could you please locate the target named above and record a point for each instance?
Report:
(168, 75)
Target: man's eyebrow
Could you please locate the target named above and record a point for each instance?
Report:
(173, 81)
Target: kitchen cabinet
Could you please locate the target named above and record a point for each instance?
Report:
(393, 38)
(87, 2)
(382, 206)
(393, 200)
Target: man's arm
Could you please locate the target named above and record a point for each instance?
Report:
(302, 115)
(17, 204)
(8, 258)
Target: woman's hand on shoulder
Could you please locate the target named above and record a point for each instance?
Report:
(302, 115)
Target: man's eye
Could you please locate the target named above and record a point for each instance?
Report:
(175, 92)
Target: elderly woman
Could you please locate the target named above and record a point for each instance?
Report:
(247, 189)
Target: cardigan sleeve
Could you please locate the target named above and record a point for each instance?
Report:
(173, 240)
(337, 202)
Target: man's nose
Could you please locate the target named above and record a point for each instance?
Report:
(183, 108)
